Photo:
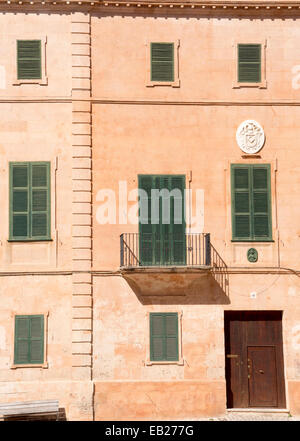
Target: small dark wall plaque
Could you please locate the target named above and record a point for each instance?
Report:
(252, 255)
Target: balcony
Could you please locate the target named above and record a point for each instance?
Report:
(165, 266)
(176, 250)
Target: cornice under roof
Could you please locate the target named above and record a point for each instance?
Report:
(186, 5)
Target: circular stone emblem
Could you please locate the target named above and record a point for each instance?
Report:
(252, 255)
(250, 136)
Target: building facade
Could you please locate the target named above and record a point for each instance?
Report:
(110, 112)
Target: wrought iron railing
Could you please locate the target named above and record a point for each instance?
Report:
(151, 249)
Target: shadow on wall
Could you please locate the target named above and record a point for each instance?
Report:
(158, 286)
(46, 416)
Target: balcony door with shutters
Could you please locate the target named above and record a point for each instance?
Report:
(161, 220)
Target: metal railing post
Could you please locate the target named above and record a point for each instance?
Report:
(121, 250)
(207, 249)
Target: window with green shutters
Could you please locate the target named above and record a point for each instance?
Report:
(162, 62)
(164, 336)
(162, 241)
(29, 339)
(249, 63)
(29, 201)
(251, 202)
(29, 63)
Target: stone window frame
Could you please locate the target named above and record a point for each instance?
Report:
(37, 365)
(180, 361)
(41, 81)
(176, 82)
(243, 40)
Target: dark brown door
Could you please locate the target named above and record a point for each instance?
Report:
(254, 359)
(262, 376)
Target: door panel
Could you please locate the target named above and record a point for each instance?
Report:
(262, 376)
(250, 331)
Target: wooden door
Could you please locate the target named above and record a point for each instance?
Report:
(262, 376)
(254, 359)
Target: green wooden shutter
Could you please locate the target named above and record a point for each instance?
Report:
(29, 339)
(249, 63)
(171, 323)
(162, 61)
(164, 337)
(37, 339)
(241, 208)
(157, 337)
(19, 200)
(261, 203)
(30, 201)
(22, 330)
(251, 202)
(145, 228)
(178, 221)
(40, 196)
(160, 248)
(29, 59)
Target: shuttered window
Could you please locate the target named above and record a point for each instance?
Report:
(29, 339)
(162, 224)
(162, 62)
(164, 336)
(249, 63)
(29, 64)
(251, 202)
(29, 201)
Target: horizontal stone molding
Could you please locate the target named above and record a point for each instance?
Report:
(179, 6)
(82, 312)
(81, 348)
(81, 106)
(81, 94)
(82, 324)
(82, 196)
(82, 265)
(81, 336)
(80, 28)
(81, 140)
(81, 129)
(81, 117)
(81, 230)
(82, 278)
(86, 97)
(81, 254)
(81, 83)
(81, 208)
(82, 151)
(81, 360)
(81, 60)
(82, 185)
(81, 173)
(81, 219)
(80, 17)
(80, 38)
(82, 289)
(81, 163)
(82, 301)
(81, 49)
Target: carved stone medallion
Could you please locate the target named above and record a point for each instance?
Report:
(252, 255)
(250, 136)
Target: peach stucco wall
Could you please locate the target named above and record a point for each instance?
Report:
(135, 130)
(36, 126)
(190, 130)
